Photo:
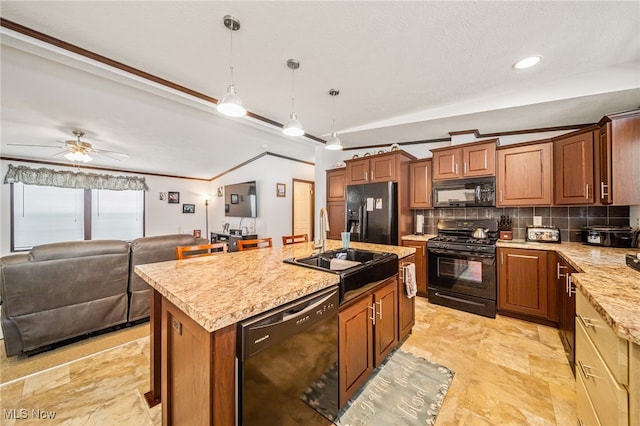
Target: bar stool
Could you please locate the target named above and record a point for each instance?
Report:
(184, 252)
(294, 239)
(258, 243)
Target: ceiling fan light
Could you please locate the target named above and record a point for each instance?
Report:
(70, 156)
(231, 104)
(86, 158)
(293, 127)
(334, 143)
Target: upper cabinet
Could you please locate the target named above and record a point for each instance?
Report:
(573, 168)
(336, 180)
(420, 184)
(469, 160)
(377, 168)
(523, 175)
(618, 158)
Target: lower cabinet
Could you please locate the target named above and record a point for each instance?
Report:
(606, 371)
(560, 271)
(368, 332)
(420, 259)
(406, 304)
(522, 282)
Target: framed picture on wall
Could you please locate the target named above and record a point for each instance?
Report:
(174, 197)
(234, 198)
(281, 190)
(188, 208)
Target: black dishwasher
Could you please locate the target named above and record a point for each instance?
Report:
(284, 352)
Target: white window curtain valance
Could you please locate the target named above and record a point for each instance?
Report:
(69, 179)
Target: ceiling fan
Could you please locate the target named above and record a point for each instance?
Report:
(78, 151)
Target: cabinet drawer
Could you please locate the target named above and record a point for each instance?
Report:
(609, 398)
(584, 409)
(614, 350)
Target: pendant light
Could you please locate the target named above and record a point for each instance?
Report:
(231, 104)
(293, 127)
(334, 143)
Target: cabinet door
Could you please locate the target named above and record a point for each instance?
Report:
(566, 320)
(357, 171)
(386, 322)
(355, 335)
(573, 169)
(479, 160)
(337, 221)
(604, 162)
(336, 180)
(406, 305)
(420, 259)
(420, 185)
(524, 175)
(522, 282)
(446, 164)
(625, 160)
(383, 169)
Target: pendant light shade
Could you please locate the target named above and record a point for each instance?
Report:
(334, 143)
(293, 127)
(231, 104)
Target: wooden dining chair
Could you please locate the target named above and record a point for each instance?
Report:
(184, 252)
(258, 243)
(294, 239)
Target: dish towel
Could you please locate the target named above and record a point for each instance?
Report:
(410, 279)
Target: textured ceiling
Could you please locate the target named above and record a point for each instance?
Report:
(406, 71)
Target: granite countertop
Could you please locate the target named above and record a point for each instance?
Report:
(612, 287)
(414, 237)
(217, 291)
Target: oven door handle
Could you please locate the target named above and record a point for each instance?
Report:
(462, 253)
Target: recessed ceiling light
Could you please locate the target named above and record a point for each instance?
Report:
(527, 62)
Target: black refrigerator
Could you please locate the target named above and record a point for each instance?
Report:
(372, 212)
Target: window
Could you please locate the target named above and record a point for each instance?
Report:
(45, 214)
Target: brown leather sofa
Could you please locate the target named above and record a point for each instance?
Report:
(63, 290)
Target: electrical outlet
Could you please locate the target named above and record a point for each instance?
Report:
(537, 221)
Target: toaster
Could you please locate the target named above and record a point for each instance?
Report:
(543, 234)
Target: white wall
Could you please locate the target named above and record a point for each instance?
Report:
(634, 216)
(274, 213)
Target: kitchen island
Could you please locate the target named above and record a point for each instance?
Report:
(195, 307)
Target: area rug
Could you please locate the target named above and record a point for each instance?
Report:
(404, 390)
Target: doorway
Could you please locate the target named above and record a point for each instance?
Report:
(303, 207)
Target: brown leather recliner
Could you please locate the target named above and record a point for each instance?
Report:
(62, 290)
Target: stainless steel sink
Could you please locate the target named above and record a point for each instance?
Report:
(356, 268)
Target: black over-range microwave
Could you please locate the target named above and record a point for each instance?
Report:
(470, 192)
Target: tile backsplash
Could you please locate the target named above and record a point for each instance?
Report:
(570, 220)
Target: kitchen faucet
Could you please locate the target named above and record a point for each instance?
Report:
(324, 228)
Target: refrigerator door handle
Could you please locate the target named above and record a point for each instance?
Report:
(365, 224)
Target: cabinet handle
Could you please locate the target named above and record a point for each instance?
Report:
(372, 175)
(585, 373)
(455, 168)
(380, 312)
(603, 194)
(580, 422)
(373, 312)
(366, 174)
(571, 290)
(465, 167)
(429, 198)
(587, 322)
(558, 267)
(404, 270)
(587, 190)
(501, 195)
(502, 258)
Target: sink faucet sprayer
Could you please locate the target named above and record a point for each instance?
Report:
(324, 228)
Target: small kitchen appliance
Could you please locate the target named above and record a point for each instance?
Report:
(608, 236)
(543, 234)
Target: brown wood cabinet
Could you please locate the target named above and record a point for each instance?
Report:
(368, 332)
(618, 159)
(573, 168)
(560, 271)
(420, 259)
(337, 219)
(523, 286)
(468, 160)
(406, 305)
(198, 371)
(524, 175)
(420, 184)
(336, 182)
(376, 168)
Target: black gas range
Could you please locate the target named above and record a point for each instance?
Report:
(462, 265)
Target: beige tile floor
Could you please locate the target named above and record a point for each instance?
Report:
(508, 372)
